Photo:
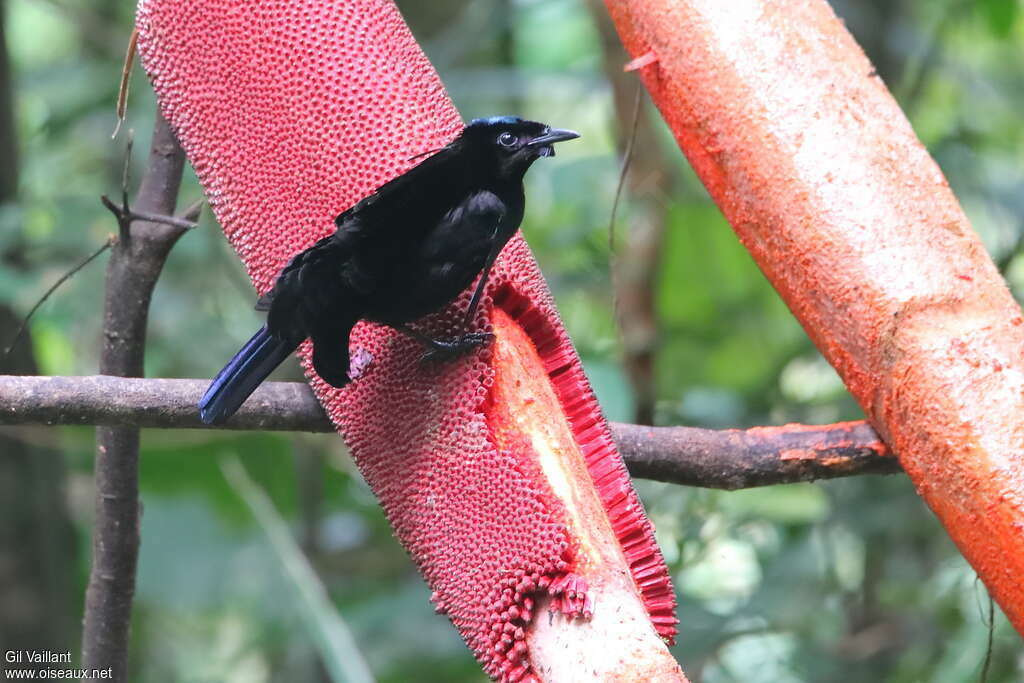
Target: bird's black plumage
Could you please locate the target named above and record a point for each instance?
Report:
(405, 251)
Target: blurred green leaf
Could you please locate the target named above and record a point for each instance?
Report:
(1000, 15)
(613, 391)
(334, 640)
(790, 504)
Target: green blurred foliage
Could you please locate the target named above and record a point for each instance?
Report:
(842, 581)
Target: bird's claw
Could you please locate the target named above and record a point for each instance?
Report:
(452, 348)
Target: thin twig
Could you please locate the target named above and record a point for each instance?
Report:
(128, 215)
(627, 157)
(126, 170)
(988, 647)
(123, 224)
(63, 278)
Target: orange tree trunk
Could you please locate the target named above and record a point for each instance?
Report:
(497, 471)
(821, 176)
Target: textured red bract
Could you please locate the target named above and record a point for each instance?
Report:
(292, 111)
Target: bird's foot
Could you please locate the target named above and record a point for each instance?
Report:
(444, 350)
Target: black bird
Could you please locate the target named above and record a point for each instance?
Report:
(405, 251)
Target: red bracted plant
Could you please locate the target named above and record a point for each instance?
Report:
(820, 174)
(497, 471)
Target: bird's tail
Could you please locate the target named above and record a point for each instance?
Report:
(241, 376)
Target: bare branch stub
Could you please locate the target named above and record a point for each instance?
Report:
(46, 295)
(135, 264)
(125, 215)
(720, 459)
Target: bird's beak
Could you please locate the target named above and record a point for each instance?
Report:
(553, 135)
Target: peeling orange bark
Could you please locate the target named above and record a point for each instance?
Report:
(820, 174)
(292, 111)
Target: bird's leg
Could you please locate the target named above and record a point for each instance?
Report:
(445, 349)
(479, 291)
(442, 349)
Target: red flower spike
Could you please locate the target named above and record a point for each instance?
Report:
(292, 111)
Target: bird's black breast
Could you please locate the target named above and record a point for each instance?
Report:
(446, 253)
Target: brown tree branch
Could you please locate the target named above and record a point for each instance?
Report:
(729, 459)
(136, 261)
(761, 456)
(156, 403)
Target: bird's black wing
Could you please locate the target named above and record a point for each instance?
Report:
(421, 179)
(466, 231)
(453, 253)
(320, 282)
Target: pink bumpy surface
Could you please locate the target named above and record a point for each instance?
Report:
(292, 111)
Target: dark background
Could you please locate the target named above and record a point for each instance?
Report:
(842, 581)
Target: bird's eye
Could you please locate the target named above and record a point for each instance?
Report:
(507, 139)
